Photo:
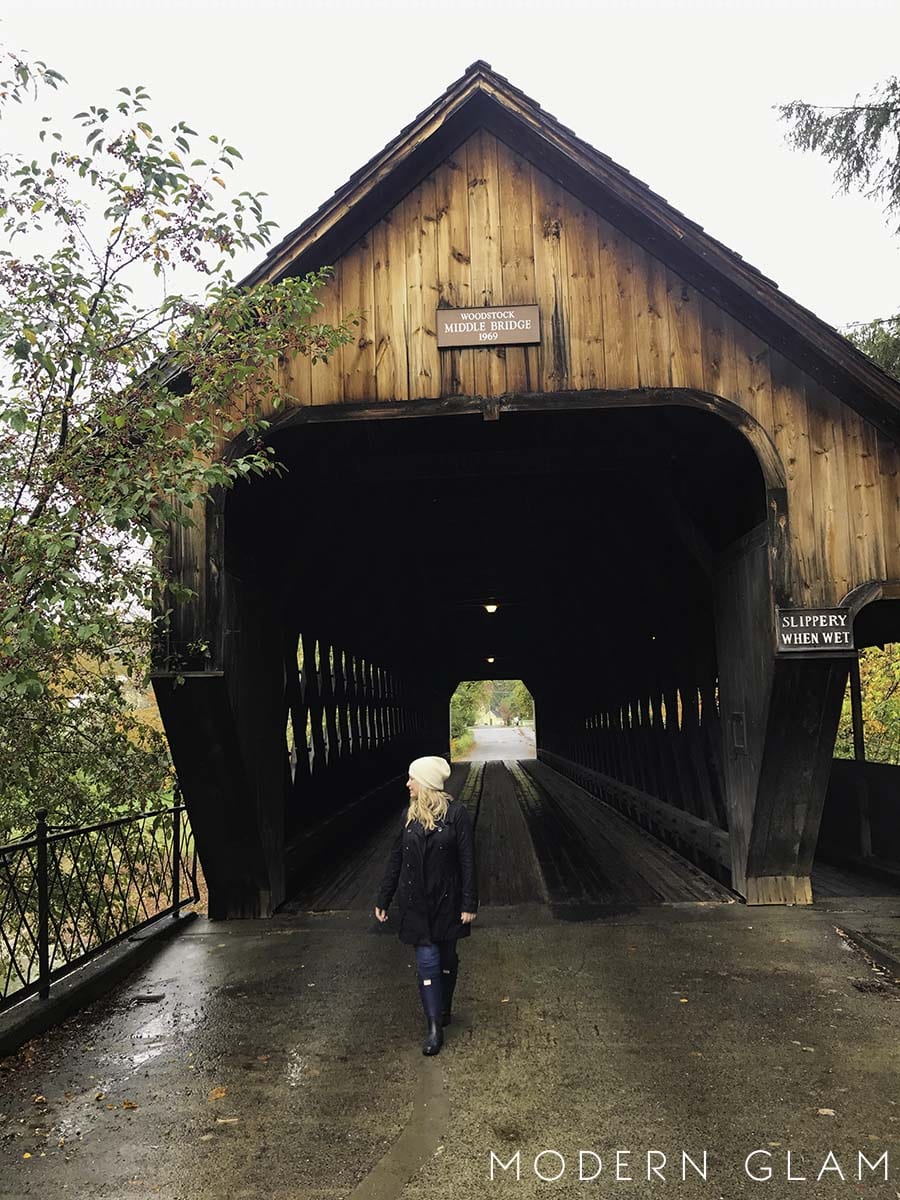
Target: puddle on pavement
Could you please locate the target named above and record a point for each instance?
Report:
(145, 1056)
(300, 1068)
(294, 1068)
(153, 1037)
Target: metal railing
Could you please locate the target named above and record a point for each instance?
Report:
(69, 892)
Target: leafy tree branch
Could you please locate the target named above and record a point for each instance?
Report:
(116, 240)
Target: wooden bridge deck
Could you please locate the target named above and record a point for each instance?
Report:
(542, 839)
(539, 839)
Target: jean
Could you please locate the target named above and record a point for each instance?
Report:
(435, 958)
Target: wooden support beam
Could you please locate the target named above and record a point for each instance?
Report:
(203, 738)
(856, 712)
(859, 754)
(803, 712)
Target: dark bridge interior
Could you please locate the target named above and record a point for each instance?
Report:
(594, 531)
(627, 550)
(597, 534)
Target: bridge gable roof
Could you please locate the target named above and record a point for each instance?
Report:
(482, 99)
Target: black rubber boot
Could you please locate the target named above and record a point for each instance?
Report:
(449, 974)
(431, 1003)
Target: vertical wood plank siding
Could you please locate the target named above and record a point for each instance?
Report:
(357, 288)
(889, 474)
(488, 227)
(420, 225)
(454, 266)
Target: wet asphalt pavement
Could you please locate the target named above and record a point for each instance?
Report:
(280, 1059)
(496, 742)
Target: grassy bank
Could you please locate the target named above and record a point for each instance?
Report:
(463, 744)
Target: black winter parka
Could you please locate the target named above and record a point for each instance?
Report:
(433, 875)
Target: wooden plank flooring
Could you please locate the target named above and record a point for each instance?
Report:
(350, 879)
(541, 839)
(508, 868)
(829, 881)
(592, 855)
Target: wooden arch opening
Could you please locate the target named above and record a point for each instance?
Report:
(600, 532)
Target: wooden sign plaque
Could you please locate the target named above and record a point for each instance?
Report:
(509, 326)
(804, 629)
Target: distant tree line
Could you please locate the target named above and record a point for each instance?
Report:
(508, 699)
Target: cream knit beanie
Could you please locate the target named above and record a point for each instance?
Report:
(431, 772)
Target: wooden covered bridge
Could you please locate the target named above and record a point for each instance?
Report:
(681, 489)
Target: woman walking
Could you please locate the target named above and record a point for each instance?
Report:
(433, 863)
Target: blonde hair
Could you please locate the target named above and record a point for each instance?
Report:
(427, 806)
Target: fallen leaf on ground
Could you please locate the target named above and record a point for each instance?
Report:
(826, 1112)
(128, 1104)
(39, 1099)
(216, 1093)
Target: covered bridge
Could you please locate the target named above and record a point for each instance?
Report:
(701, 488)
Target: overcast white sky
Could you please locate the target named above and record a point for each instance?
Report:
(680, 93)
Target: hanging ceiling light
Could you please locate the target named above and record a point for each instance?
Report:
(491, 608)
(489, 659)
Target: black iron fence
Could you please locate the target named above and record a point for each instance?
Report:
(68, 892)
